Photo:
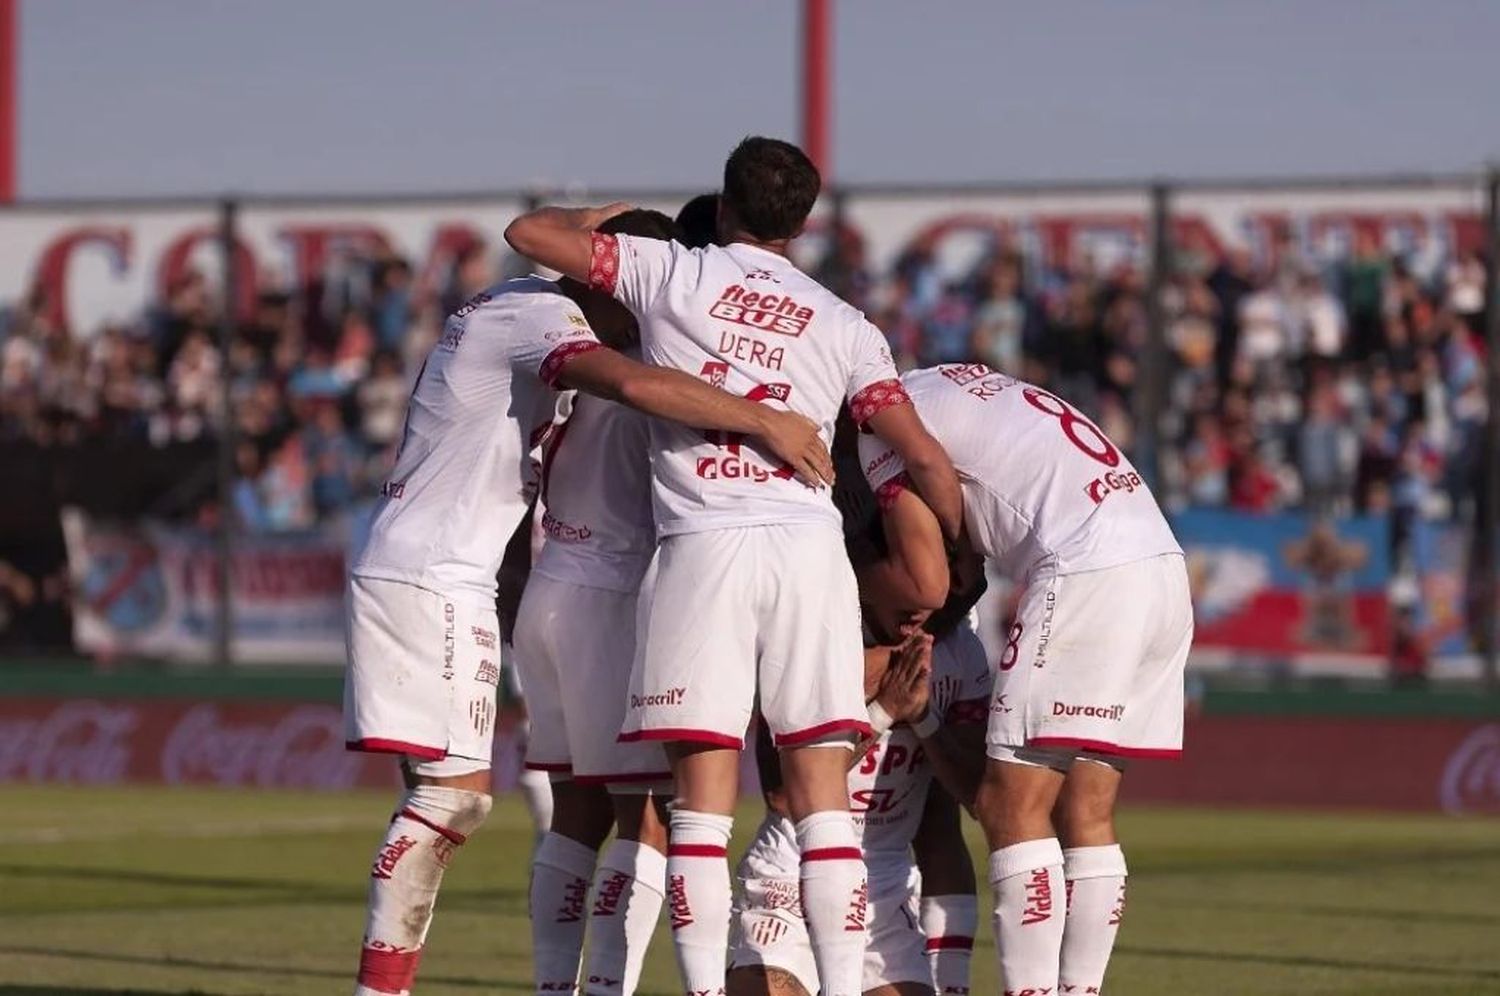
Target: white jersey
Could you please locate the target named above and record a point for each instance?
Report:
(747, 321)
(888, 786)
(1045, 492)
(596, 497)
(456, 493)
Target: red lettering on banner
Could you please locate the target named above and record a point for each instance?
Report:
(51, 279)
(177, 263)
(313, 245)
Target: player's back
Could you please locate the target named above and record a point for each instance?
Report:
(1045, 491)
(455, 494)
(746, 320)
(596, 492)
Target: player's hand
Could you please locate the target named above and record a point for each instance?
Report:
(877, 662)
(905, 693)
(794, 438)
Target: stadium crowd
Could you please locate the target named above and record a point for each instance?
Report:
(1351, 387)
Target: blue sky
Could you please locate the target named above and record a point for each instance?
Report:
(201, 96)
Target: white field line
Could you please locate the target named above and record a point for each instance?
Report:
(183, 831)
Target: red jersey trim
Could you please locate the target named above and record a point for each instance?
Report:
(1102, 747)
(670, 733)
(551, 367)
(887, 493)
(562, 768)
(796, 737)
(696, 851)
(604, 262)
(875, 398)
(377, 745)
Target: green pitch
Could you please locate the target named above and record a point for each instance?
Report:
(175, 892)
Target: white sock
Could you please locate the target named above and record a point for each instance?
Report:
(698, 898)
(560, 873)
(835, 898)
(628, 889)
(948, 923)
(1029, 914)
(536, 791)
(430, 825)
(1096, 902)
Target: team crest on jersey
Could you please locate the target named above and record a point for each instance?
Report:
(778, 313)
(578, 321)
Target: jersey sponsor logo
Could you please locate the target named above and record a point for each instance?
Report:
(488, 673)
(778, 313)
(677, 902)
(732, 468)
(878, 801)
(578, 322)
(484, 638)
(1101, 488)
(574, 333)
(482, 714)
(878, 462)
(393, 490)
(671, 697)
(1038, 899)
(610, 890)
(1113, 713)
(716, 373)
(749, 350)
(449, 640)
(761, 274)
(473, 304)
(390, 855)
(777, 894)
(563, 532)
(893, 758)
(859, 907)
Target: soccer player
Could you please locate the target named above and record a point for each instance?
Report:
(752, 587)
(1092, 672)
(891, 795)
(575, 639)
(421, 618)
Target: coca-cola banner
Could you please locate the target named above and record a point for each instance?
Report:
(178, 742)
(1412, 763)
(92, 265)
(151, 590)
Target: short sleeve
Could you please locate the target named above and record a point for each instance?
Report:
(542, 343)
(631, 269)
(873, 384)
(884, 470)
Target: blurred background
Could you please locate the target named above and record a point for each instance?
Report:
(1255, 243)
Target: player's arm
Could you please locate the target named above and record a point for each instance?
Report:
(515, 569)
(560, 238)
(914, 571)
(931, 471)
(680, 397)
(941, 854)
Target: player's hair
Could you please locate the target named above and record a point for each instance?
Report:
(770, 187)
(699, 219)
(647, 224)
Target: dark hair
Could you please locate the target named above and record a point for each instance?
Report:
(699, 219)
(647, 224)
(770, 186)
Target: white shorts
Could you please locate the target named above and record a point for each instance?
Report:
(1094, 662)
(423, 669)
(730, 612)
(574, 648)
(767, 929)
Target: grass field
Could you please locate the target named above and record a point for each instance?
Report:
(174, 892)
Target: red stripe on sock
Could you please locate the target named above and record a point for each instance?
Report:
(388, 971)
(833, 854)
(951, 942)
(696, 851)
(416, 817)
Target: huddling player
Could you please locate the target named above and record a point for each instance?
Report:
(753, 591)
(1092, 673)
(575, 640)
(421, 620)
